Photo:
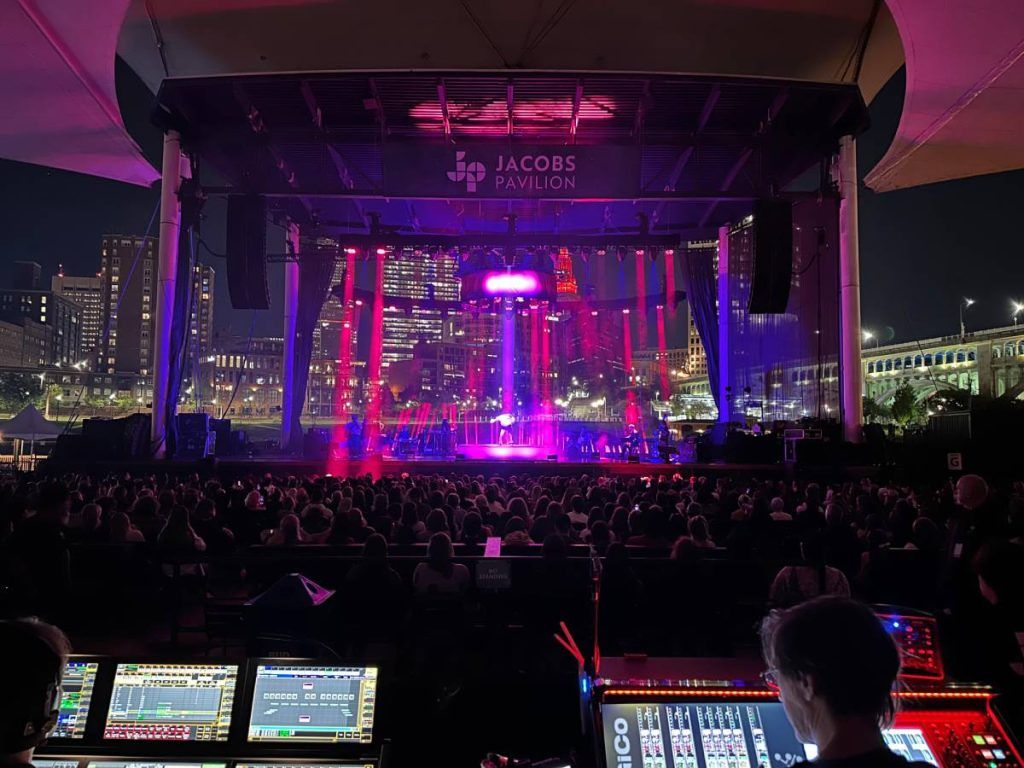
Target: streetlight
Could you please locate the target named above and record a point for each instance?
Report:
(868, 336)
(1017, 309)
(964, 304)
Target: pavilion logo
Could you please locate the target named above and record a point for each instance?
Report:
(471, 173)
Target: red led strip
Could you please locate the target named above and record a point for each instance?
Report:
(734, 693)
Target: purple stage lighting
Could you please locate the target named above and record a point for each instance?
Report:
(511, 284)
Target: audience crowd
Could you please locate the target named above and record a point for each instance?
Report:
(835, 537)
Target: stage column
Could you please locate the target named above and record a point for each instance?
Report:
(849, 281)
(508, 355)
(291, 309)
(724, 394)
(167, 273)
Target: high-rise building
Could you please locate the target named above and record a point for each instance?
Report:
(328, 332)
(697, 359)
(27, 275)
(129, 304)
(87, 293)
(24, 343)
(564, 277)
(415, 274)
(62, 317)
(201, 315)
(697, 364)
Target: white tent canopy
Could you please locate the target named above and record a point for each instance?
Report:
(30, 425)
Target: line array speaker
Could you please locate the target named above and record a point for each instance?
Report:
(772, 270)
(247, 252)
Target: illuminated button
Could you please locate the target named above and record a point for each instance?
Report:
(979, 739)
(987, 754)
(990, 739)
(1000, 755)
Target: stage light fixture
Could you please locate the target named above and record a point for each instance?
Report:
(351, 251)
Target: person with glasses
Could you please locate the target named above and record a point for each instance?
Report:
(834, 665)
(37, 652)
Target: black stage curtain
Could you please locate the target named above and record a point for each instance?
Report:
(701, 295)
(315, 272)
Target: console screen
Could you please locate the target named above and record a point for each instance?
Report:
(308, 703)
(719, 735)
(144, 763)
(76, 696)
(171, 702)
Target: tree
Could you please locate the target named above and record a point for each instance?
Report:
(874, 411)
(905, 408)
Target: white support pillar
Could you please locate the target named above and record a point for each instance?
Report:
(724, 362)
(291, 309)
(167, 274)
(849, 293)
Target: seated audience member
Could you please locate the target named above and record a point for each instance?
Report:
(473, 529)
(40, 551)
(812, 578)
(36, 653)
(834, 666)
(601, 537)
(287, 534)
(779, 513)
(89, 526)
(439, 575)
(999, 566)
(123, 532)
(372, 578)
(697, 527)
(178, 535)
(516, 533)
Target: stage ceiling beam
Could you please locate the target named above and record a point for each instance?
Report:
(677, 170)
(442, 100)
(574, 120)
(726, 183)
(259, 127)
(344, 176)
(510, 105)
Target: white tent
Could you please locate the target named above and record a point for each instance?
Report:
(30, 425)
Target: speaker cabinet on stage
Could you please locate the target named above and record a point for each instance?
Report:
(316, 443)
(772, 269)
(126, 438)
(222, 429)
(247, 252)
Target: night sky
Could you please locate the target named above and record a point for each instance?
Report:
(921, 249)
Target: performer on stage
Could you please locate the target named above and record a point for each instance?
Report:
(354, 432)
(402, 441)
(664, 434)
(631, 442)
(504, 422)
(447, 444)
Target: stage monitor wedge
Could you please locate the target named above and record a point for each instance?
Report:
(772, 263)
(247, 252)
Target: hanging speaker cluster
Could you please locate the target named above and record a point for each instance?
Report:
(772, 269)
(247, 252)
